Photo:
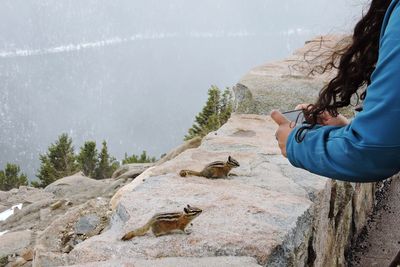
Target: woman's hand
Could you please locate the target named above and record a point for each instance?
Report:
(327, 119)
(285, 127)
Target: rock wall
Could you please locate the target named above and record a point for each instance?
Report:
(339, 216)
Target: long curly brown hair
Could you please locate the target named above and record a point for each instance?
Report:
(354, 63)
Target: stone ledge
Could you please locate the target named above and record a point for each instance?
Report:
(249, 215)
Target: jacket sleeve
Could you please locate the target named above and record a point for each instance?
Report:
(368, 149)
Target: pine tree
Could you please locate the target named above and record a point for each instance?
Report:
(87, 159)
(202, 121)
(11, 178)
(215, 113)
(226, 106)
(106, 164)
(57, 163)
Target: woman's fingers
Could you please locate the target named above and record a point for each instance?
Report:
(283, 130)
(278, 117)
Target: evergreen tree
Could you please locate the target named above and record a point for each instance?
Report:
(143, 158)
(202, 121)
(57, 163)
(226, 106)
(215, 113)
(87, 159)
(212, 124)
(106, 164)
(11, 178)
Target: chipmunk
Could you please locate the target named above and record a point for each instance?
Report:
(166, 223)
(216, 169)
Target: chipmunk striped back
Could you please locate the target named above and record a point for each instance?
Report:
(231, 162)
(217, 163)
(168, 216)
(189, 211)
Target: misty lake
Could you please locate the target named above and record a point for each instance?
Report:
(135, 73)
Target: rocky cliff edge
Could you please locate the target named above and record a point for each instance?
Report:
(269, 214)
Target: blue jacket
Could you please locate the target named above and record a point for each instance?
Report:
(368, 149)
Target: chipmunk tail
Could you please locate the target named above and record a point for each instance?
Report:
(185, 173)
(140, 231)
(128, 236)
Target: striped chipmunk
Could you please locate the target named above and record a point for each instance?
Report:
(216, 169)
(166, 223)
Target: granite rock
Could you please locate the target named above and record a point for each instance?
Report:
(15, 242)
(131, 170)
(286, 83)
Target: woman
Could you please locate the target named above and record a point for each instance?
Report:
(366, 149)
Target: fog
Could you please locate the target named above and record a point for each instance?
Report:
(135, 73)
